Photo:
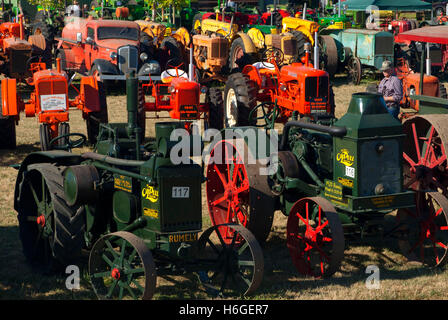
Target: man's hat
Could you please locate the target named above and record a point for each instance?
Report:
(387, 65)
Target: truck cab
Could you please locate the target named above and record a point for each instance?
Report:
(103, 47)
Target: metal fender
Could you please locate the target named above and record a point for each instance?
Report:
(249, 46)
(183, 36)
(257, 37)
(105, 67)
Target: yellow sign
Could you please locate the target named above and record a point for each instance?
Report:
(333, 190)
(150, 193)
(345, 158)
(382, 202)
(183, 237)
(346, 182)
(123, 183)
(153, 213)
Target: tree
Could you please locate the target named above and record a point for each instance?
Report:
(46, 4)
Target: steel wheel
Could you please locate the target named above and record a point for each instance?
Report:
(354, 70)
(425, 161)
(236, 267)
(121, 266)
(315, 237)
(236, 192)
(424, 230)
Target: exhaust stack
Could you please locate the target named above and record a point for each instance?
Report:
(191, 65)
(316, 52)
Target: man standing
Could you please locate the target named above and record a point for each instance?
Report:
(391, 88)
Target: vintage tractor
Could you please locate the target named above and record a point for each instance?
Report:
(332, 181)
(50, 103)
(297, 89)
(179, 94)
(135, 212)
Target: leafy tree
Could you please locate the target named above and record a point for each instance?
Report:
(49, 3)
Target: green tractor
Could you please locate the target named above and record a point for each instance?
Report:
(132, 211)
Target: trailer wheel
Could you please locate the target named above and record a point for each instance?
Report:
(315, 237)
(239, 263)
(240, 97)
(51, 231)
(354, 70)
(237, 191)
(423, 231)
(122, 266)
(216, 108)
(94, 119)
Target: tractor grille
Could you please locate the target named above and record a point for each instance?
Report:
(316, 87)
(289, 47)
(19, 60)
(127, 58)
(384, 45)
(219, 49)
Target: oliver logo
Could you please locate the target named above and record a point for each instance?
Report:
(150, 193)
(345, 158)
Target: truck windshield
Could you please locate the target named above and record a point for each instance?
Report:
(117, 33)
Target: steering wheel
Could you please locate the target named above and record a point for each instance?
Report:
(273, 55)
(71, 144)
(171, 66)
(270, 114)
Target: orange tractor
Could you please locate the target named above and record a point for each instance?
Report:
(50, 103)
(179, 93)
(16, 54)
(295, 90)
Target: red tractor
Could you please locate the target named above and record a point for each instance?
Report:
(179, 93)
(297, 89)
(50, 103)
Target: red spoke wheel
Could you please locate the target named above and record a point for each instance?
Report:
(423, 231)
(424, 152)
(315, 237)
(237, 192)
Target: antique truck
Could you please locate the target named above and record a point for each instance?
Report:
(334, 180)
(103, 48)
(133, 211)
(50, 103)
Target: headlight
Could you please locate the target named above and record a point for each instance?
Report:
(331, 22)
(143, 56)
(113, 55)
(153, 67)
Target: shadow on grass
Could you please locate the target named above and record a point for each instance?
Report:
(15, 156)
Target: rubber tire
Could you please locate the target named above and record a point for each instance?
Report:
(332, 60)
(44, 137)
(141, 113)
(175, 51)
(442, 92)
(197, 16)
(246, 93)
(93, 126)
(61, 55)
(301, 40)
(68, 236)
(216, 108)
(244, 60)
(63, 128)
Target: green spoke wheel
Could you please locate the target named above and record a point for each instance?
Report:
(235, 266)
(122, 267)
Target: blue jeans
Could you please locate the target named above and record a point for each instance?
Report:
(394, 111)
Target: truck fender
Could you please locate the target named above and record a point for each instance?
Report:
(249, 46)
(105, 67)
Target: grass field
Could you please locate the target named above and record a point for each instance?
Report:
(399, 278)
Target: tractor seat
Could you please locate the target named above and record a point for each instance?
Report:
(264, 65)
(169, 74)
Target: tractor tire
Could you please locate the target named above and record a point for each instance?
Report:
(61, 55)
(240, 97)
(63, 129)
(442, 92)
(197, 20)
(332, 102)
(54, 248)
(94, 119)
(173, 56)
(414, 24)
(329, 53)
(216, 109)
(278, 19)
(301, 40)
(238, 57)
(44, 137)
